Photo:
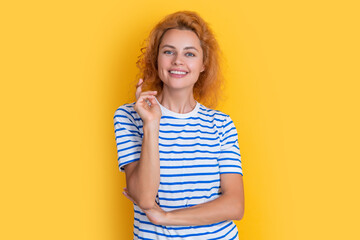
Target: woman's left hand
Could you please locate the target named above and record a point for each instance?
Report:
(156, 215)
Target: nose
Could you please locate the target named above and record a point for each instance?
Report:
(177, 60)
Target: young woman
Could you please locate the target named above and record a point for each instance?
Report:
(181, 159)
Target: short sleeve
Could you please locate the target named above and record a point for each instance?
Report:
(230, 157)
(127, 135)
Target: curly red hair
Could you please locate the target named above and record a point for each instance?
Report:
(207, 89)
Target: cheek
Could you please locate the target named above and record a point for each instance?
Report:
(197, 63)
(162, 62)
(162, 67)
(196, 66)
(159, 64)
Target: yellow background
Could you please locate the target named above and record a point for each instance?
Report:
(292, 70)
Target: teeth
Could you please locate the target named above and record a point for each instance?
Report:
(177, 72)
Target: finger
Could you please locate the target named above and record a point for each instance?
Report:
(138, 88)
(143, 98)
(138, 95)
(153, 101)
(148, 92)
(128, 197)
(146, 96)
(140, 82)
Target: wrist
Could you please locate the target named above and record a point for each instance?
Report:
(150, 125)
(167, 219)
(151, 129)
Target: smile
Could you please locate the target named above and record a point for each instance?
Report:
(177, 74)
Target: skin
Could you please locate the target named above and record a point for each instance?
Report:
(143, 176)
(179, 49)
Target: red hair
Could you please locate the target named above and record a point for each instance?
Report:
(208, 86)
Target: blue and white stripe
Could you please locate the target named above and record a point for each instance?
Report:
(195, 148)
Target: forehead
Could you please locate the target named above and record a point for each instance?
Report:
(180, 38)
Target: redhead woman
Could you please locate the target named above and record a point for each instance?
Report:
(181, 158)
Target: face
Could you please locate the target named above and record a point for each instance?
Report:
(180, 59)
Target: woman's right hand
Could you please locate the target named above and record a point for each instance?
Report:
(148, 113)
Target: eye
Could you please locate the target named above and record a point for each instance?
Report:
(168, 52)
(189, 54)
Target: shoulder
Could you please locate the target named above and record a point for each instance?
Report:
(214, 115)
(126, 111)
(127, 108)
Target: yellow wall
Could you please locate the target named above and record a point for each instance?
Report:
(293, 92)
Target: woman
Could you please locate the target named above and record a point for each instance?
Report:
(181, 159)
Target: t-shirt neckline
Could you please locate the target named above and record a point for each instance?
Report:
(167, 112)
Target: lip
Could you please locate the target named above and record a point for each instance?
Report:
(177, 75)
(177, 69)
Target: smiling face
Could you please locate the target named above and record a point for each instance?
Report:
(180, 59)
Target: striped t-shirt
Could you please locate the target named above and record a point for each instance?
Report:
(195, 148)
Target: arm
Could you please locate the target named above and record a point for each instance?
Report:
(143, 176)
(229, 206)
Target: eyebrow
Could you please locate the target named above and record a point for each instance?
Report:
(185, 48)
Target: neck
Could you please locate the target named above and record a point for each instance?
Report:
(177, 101)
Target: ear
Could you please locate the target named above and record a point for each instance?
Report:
(203, 68)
